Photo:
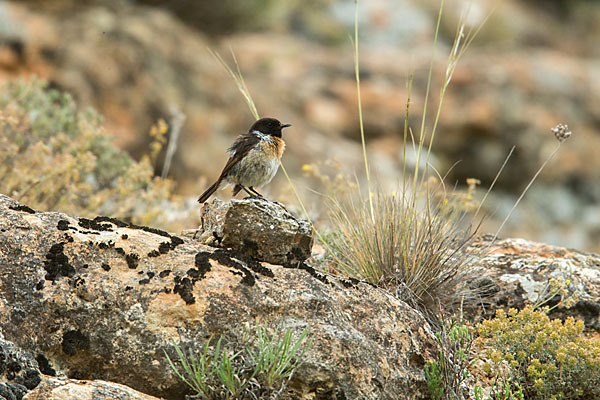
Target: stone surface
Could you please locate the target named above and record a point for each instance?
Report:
(12, 391)
(18, 370)
(257, 228)
(52, 388)
(517, 271)
(101, 299)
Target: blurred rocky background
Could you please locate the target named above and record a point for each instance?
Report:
(535, 63)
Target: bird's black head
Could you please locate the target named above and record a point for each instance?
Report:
(269, 126)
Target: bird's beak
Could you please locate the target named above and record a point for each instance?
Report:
(285, 125)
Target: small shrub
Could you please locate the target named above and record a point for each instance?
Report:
(263, 368)
(276, 358)
(547, 358)
(55, 157)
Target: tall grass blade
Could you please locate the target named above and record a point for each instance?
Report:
(360, 113)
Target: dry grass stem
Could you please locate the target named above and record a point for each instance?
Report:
(360, 113)
(177, 121)
(562, 133)
(238, 78)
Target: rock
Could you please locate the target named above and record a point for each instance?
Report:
(12, 391)
(18, 369)
(103, 299)
(516, 272)
(69, 389)
(21, 376)
(260, 229)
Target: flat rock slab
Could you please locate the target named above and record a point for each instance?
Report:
(258, 228)
(517, 271)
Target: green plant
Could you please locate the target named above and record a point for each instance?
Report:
(277, 358)
(507, 391)
(199, 370)
(55, 157)
(434, 377)
(548, 359)
(265, 365)
(445, 376)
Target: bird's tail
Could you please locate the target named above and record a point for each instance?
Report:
(213, 188)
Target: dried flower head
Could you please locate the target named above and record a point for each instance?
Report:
(561, 132)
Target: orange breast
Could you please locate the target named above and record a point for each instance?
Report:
(275, 148)
(280, 146)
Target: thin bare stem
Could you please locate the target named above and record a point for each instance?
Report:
(462, 41)
(360, 114)
(238, 79)
(525, 191)
(426, 101)
(406, 131)
(244, 88)
(494, 182)
(177, 120)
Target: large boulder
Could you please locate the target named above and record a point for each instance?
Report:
(103, 299)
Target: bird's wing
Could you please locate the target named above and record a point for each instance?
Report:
(242, 145)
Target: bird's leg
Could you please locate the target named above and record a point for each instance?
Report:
(250, 194)
(256, 193)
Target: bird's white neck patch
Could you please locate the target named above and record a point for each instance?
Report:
(263, 136)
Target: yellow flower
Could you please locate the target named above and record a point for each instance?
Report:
(539, 384)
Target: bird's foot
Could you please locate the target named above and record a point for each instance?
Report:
(252, 193)
(255, 197)
(255, 192)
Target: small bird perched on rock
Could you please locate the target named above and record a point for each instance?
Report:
(254, 159)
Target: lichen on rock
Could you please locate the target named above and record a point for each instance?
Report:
(101, 319)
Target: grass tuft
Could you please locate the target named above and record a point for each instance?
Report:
(419, 253)
(261, 370)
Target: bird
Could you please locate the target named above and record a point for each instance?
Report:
(254, 159)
